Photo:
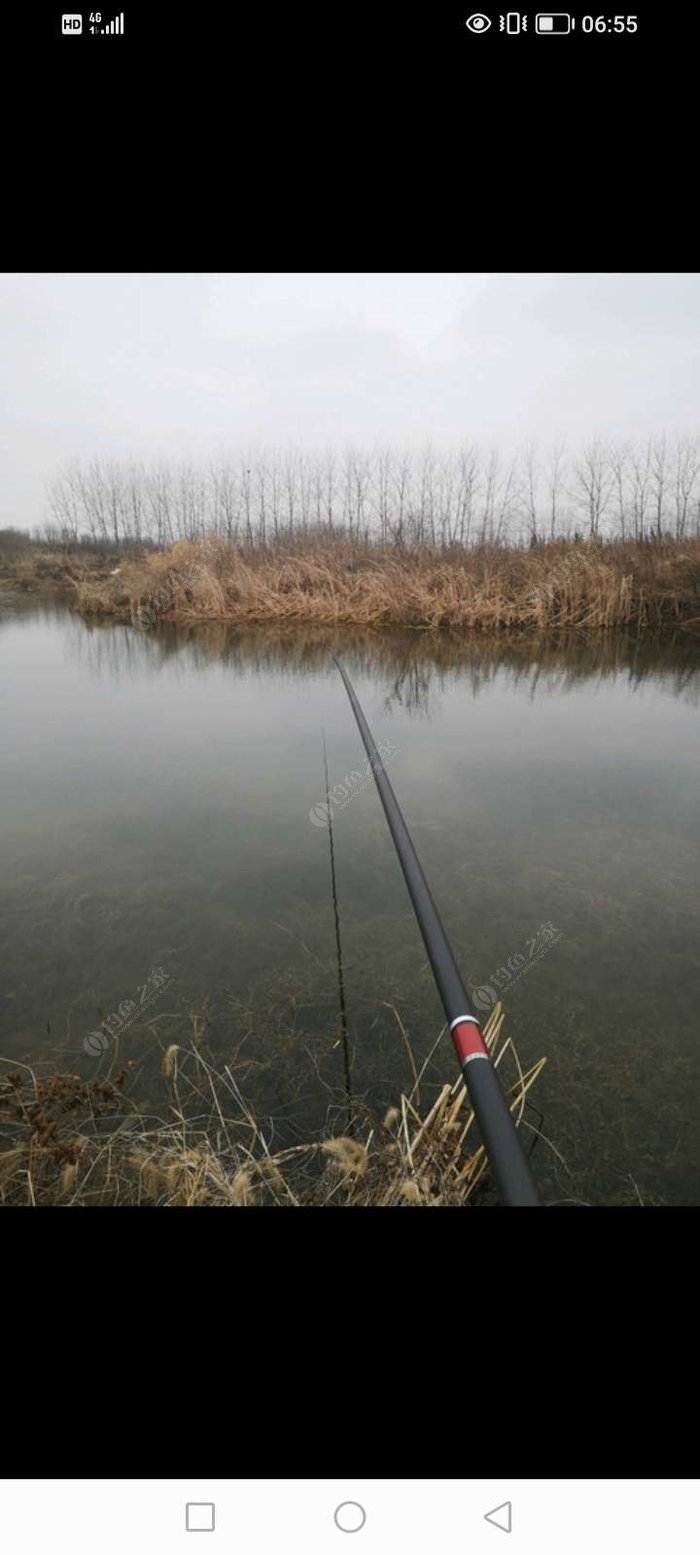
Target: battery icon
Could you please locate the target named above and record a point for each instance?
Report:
(553, 21)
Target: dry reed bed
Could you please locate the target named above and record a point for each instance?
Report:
(70, 1142)
(564, 584)
(38, 569)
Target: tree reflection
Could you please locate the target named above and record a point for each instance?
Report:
(410, 667)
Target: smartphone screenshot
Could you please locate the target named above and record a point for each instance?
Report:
(349, 629)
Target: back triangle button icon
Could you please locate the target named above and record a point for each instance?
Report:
(501, 1516)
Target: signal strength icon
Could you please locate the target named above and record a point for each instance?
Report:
(115, 26)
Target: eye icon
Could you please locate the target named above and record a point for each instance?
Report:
(478, 22)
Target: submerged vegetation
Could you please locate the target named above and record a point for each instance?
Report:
(67, 1141)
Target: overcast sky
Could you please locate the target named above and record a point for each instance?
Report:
(191, 364)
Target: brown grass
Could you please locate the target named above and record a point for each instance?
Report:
(564, 584)
(33, 568)
(71, 1142)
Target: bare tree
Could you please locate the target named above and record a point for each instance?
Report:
(290, 484)
(261, 475)
(275, 492)
(506, 500)
(189, 501)
(226, 500)
(447, 498)
(330, 476)
(93, 497)
(499, 496)
(686, 470)
(619, 460)
(442, 498)
(348, 508)
(316, 487)
(593, 476)
(361, 479)
(468, 490)
(114, 492)
(658, 480)
(427, 495)
(640, 459)
(159, 502)
(556, 474)
(382, 486)
(65, 506)
(487, 513)
(245, 473)
(134, 495)
(356, 472)
(402, 493)
(531, 476)
(305, 492)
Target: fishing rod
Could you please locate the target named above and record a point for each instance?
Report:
(500, 1136)
(339, 954)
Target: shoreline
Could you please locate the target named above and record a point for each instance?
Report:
(71, 1140)
(328, 581)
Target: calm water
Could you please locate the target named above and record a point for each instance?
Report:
(157, 791)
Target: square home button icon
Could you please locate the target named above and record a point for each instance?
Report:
(199, 1516)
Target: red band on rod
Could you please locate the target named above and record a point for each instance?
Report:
(468, 1040)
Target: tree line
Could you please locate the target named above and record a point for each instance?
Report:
(466, 496)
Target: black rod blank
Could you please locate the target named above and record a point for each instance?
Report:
(501, 1140)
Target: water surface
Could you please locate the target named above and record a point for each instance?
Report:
(158, 794)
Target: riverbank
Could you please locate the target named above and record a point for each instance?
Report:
(30, 567)
(586, 585)
(67, 1140)
(330, 580)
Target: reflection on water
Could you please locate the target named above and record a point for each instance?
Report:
(415, 664)
(156, 797)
